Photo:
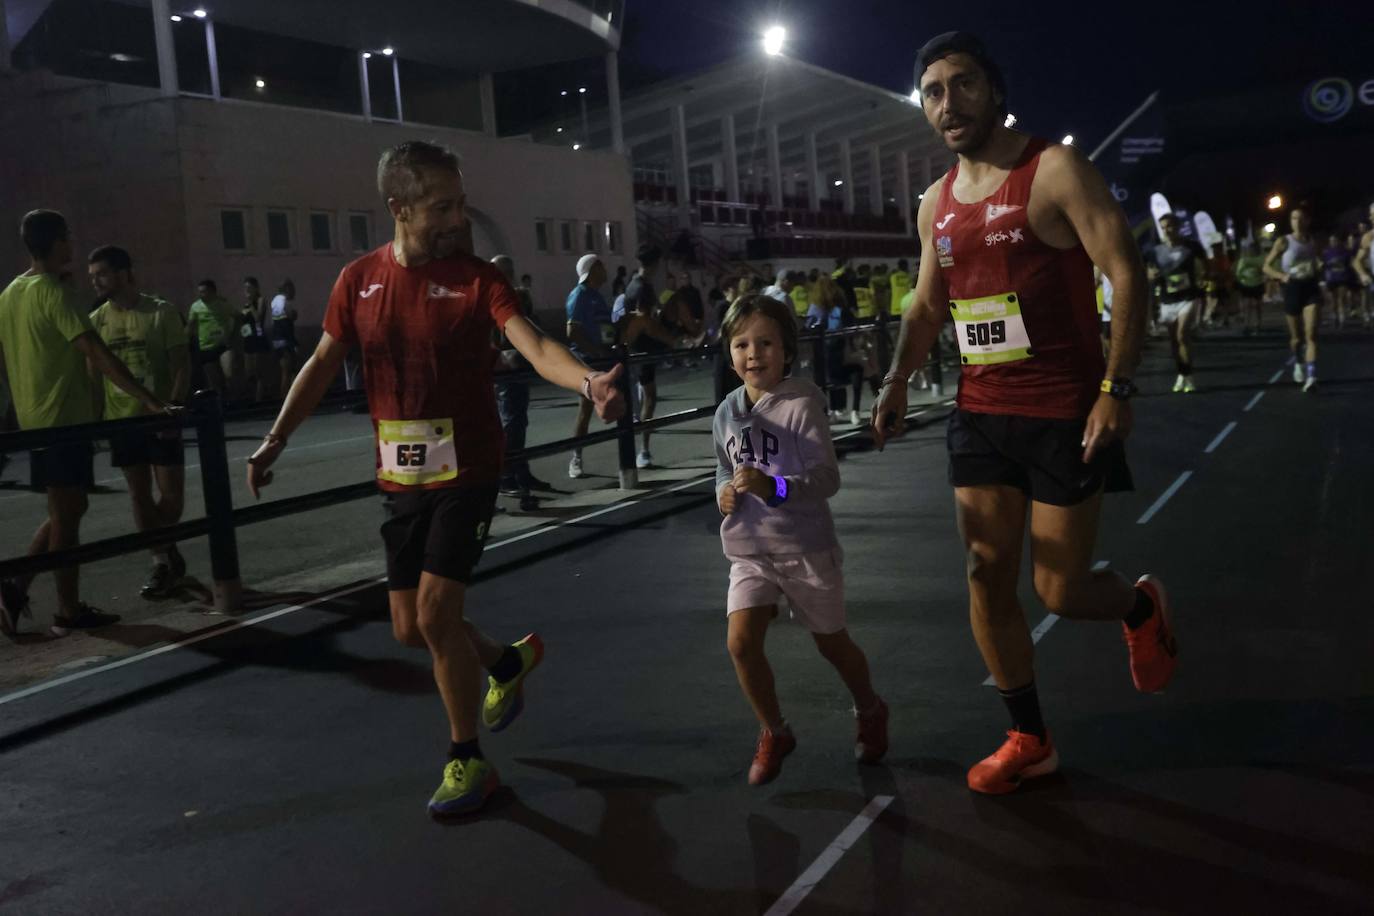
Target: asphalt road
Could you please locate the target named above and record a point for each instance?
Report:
(284, 767)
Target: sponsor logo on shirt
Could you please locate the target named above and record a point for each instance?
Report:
(367, 293)
(443, 292)
(945, 248)
(997, 211)
(998, 237)
(944, 222)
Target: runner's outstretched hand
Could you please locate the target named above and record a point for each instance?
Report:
(260, 461)
(889, 413)
(606, 397)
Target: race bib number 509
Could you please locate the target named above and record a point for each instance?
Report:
(415, 452)
(990, 330)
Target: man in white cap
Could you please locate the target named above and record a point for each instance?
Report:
(591, 334)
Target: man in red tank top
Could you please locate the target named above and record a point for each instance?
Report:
(422, 310)
(1009, 238)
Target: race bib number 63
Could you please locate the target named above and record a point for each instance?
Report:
(415, 452)
(990, 330)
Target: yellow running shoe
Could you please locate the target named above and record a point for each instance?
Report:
(506, 699)
(466, 787)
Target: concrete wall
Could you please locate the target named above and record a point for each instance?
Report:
(153, 175)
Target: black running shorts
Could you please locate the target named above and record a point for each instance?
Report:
(67, 465)
(1298, 294)
(1042, 458)
(143, 447)
(442, 532)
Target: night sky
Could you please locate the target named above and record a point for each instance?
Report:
(1078, 68)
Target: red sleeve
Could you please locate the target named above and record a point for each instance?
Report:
(502, 302)
(338, 315)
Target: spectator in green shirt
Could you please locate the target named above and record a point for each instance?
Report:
(211, 325)
(149, 336)
(46, 342)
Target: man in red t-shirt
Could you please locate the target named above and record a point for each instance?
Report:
(1009, 238)
(422, 312)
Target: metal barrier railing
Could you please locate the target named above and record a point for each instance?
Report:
(206, 415)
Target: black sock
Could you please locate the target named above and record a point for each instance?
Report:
(1024, 705)
(1184, 368)
(508, 665)
(1140, 611)
(465, 750)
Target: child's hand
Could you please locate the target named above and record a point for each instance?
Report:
(726, 499)
(752, 480)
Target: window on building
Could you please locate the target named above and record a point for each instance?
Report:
(591, 237)
(321, 231)
(541, 237)
(360, 232)
(278, 230)
(233, 229)
(615, 240)
(565, 236)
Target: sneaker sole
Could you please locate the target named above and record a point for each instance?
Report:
(466, 804)
(518, 706)
(1153, 587)
(1044, 768)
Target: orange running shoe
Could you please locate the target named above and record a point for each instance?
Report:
(1021, 756)
(1154, 652)
(773, 746)
(871, 743)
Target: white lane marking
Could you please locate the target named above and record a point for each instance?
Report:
(1049, 621)
(1253, 401)
(232, 458)
(1275, 377)
(1226, 431)
(239, 624)
(1159, 503)
(806, 883)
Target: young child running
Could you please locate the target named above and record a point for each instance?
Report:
(775, 470)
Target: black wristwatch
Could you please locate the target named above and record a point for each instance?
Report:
(1119, 388)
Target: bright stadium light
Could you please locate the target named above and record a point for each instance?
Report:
(388, 50)
(199, 13)
(577, 146)
(1010, 121)
(916, 95)
(260, 83)
(367, 55)
(176, 18)
(1269, 228)
(1276, 202)
(582, 90)
(1068, 140)
(773, 39)
(839, 182)
(564, 92)
(559, 131)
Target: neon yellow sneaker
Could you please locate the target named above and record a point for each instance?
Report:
(466, 787)
(506, 699)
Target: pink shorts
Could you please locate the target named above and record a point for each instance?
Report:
(813, 584)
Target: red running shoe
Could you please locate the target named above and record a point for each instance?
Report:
(772, 748)
(871, 743)
(1021, 756)
(1154, 652)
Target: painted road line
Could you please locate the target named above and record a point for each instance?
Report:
(233, 625)
(1253, 401)
(794, 895)
(1275, 377)
(1159, 503)
(1226, 431)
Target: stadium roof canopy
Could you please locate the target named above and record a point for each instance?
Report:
(759, 93)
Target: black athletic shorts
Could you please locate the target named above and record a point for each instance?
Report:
(143, 447)
(211, 355)
(1298, 294)
(1042, 458)
(442, 532)
(66, 465)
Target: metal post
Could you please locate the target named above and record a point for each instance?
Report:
(875, 181)
(847, 175)
(730, 157)
(586, 131)
(904, 189)
(774, 166)
(396, 81)
(166, 49)
(681, 173)
(487, 87)
(219, 501)
(212, 54)
(820, 369)
(367, 89)
(625, 442)
(613, 94)
(813, 175)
